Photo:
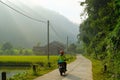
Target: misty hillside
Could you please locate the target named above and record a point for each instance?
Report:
(24, 32)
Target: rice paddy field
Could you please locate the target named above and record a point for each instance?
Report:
(26, 61)
(32, 59)
(20, 63)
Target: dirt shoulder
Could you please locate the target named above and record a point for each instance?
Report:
(80, 69)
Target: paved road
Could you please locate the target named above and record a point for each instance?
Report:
(80, 69)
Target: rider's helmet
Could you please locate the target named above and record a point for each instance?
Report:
(61, 52)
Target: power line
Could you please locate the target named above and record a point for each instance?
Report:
(27, 7)
(56, 33)
(22, 13)
(16, 6)
(54, 30)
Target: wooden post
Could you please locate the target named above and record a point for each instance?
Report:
(67, 45)
(34, 69)
(105, 67)
(3, 75)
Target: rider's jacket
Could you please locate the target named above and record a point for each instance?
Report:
(61, 58)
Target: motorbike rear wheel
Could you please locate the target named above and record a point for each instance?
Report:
(62, 72)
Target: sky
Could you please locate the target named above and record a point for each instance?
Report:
(71, 9)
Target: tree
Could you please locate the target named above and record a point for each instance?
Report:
(72, 47)
(100, 32)
(7, 46)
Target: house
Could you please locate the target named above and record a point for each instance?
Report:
(54, 48)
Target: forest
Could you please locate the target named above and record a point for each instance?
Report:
(9, 49)
(100, 34)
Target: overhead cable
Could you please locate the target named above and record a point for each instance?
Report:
(57, 34)
(23, 13)
(33, 11)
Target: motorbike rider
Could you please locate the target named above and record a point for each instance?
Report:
(62, 59)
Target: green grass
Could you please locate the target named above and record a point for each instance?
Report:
(97, 69)
(29, 58)
(32, 59)
(23, 58)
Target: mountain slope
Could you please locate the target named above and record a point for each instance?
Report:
(24, 32)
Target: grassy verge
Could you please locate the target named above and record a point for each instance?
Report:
(97, 69)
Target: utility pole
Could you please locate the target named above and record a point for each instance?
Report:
(48, 42)
(67, 45)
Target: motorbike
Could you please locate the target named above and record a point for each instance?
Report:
(62, 69)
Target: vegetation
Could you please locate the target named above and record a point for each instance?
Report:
(100, 34)
(72, 47)
(24, 58)
(98, 69)
(8, 49)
